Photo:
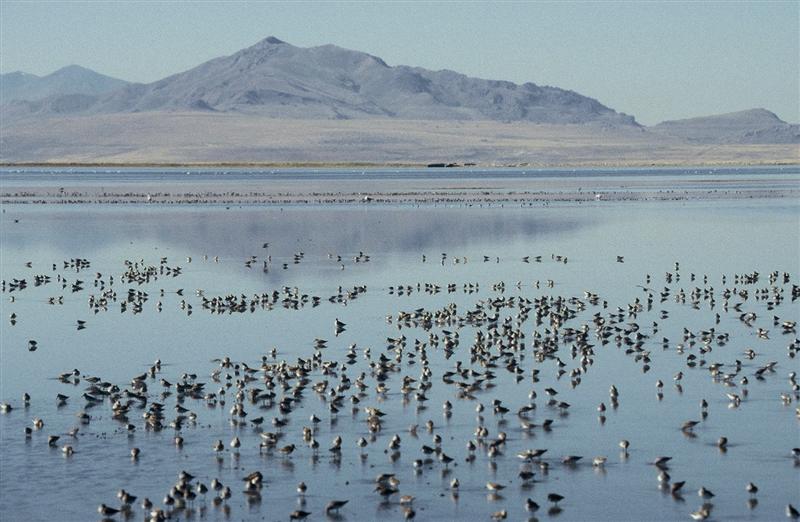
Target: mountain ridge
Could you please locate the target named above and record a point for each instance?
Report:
(276, 79)
(68, 80)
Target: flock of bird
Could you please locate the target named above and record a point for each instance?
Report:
(490, 356)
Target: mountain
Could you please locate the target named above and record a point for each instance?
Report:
(279, 80)
(70, 80)
(750, 126)
(274, 102)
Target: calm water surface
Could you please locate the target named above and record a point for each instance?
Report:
(211, 245)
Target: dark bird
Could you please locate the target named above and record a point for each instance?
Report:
(335, 505)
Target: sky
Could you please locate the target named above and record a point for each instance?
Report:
(653, 60)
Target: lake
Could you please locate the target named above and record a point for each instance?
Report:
(640, 289)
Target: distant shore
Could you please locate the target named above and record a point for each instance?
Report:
(394, 165)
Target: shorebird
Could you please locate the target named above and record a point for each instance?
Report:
(689, 425)
(701, 514)
(661, 462)
(445, 459)
(570, 460)
(407, 499)
(107, 511)
(126, 498)
(287, 450)
(705, 493)
(530, 505)
(335, 505)
(599, 461)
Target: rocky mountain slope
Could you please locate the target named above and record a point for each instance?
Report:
(275, 79)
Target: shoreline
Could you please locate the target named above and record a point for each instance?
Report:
(425, 187)
(397, 165)
(366, 199)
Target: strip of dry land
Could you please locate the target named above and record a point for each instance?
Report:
(236, 140)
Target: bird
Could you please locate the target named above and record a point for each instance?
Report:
(335, 505)
(530, 505)
(661, 462)
(700, 514)
(599, 461)
(571, 459)
(705, 493)
(445, 459)
(107, 511)
(689, 425)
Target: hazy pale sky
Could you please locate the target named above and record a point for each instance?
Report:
(654, 60)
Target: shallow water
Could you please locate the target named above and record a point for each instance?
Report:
(61, 182)
(706, 238)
